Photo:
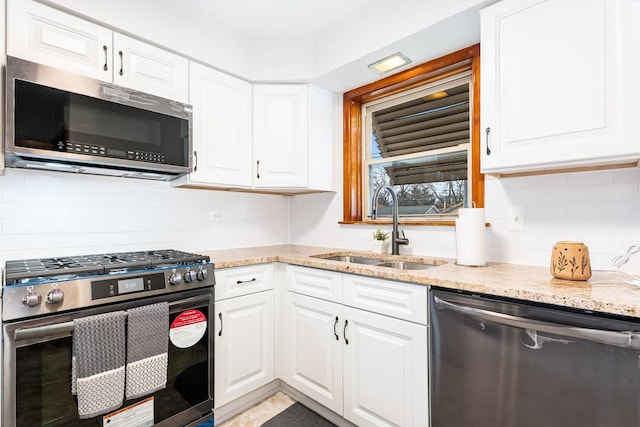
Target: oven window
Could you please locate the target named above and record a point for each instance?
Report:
(43, 383)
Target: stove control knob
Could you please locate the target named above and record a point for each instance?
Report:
(55, 296)
(202, 274)
(31, 299)
(175, 278)
(189, 276)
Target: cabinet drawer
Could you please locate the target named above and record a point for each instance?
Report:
(233, 282)
(313, 282)
(395, 299)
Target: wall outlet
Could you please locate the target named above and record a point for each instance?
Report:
(216, 216)
(516, 218)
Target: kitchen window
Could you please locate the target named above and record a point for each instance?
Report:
(417, 131)
(419, 143)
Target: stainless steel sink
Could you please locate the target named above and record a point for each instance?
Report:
(379, 262)
(405, 265)
(354, 259)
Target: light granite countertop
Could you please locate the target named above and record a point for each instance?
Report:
(603, 292)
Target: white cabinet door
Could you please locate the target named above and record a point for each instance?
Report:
(39, 33)
(222, 124)
(385, 370)
(48, 36)
(312, 349)
(280, 135)
(294, 137)
(557, 86)
(3, 58)
(149, 69)
(244, 346)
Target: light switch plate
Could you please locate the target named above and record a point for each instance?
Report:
(516, 218)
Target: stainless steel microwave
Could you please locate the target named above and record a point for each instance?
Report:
(57, 120)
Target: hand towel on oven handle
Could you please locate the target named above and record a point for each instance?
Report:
(98, 364)
(147, 349)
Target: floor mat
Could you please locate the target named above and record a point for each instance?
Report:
(298, 415)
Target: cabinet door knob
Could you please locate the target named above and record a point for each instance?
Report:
(195, 161)
(487, 140)
(334, 329)
(121, 63)
(258, 169)
(220, 317)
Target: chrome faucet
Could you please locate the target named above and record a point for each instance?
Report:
(396, 240)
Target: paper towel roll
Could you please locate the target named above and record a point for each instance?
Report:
(470, 237)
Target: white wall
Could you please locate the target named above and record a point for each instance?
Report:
(600, 208)
(46, 214)
(381, 23)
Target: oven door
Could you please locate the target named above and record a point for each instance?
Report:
(37, 370)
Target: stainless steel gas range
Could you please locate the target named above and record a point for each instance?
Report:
(46, 301)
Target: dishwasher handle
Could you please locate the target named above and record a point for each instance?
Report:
(626, 339)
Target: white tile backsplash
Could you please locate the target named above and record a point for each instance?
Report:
(599, 208)
(53, 214)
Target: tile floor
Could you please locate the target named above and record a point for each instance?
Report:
(261, 412)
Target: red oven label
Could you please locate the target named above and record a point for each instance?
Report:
(187, 329)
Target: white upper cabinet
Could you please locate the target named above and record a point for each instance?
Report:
(39, 33)
(294, 134)
(42, 34)
(221, 129)
(150, 69)
(558, 85)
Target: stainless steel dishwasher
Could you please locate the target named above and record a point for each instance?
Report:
(498, 363)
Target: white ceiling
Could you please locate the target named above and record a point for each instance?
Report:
(276, 17)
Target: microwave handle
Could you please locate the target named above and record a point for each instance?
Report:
(67, 327)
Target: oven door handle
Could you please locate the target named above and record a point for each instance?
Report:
(67, 327)
(626, 339)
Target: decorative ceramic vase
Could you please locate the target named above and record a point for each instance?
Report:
(570, 261)
(380, 247)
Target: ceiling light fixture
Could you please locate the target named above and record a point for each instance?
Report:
(389, 63)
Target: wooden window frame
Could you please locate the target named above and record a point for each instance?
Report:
(449, 65)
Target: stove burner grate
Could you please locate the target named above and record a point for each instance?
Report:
(23, 271)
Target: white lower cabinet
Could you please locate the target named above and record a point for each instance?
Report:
(244, 333)
(312, 354)
(370, 367)
(384, 370)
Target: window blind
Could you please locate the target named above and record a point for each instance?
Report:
(439, 120)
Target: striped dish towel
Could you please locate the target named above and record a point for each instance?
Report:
(99, 363)
(147, 349)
